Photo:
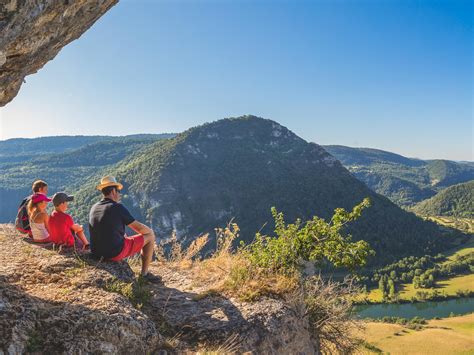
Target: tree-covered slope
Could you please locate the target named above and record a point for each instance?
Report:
(444, 173)
(405, 181)
(240, 168)
(63, 171)
(456, 200)
(20, 149)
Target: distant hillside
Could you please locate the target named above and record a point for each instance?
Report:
(457, 201)
(367, 156)
(21, 149)
(240, 168)
(405, 181)
(63, 171)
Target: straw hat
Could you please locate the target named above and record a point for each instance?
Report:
(107, 181)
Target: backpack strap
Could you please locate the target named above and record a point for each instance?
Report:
(35, 215)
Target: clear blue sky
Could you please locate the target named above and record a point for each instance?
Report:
(394, 75)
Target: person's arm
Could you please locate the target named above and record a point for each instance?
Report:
(76, 228)
(45, 218)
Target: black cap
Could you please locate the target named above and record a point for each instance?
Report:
(60, 197)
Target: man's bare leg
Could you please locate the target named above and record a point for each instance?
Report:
(147, 251)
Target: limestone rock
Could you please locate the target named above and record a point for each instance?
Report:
(32, 32)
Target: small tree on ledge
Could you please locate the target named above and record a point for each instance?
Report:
(315, 240)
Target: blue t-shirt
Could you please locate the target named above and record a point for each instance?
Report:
(107, 222)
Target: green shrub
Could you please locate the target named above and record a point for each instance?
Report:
(316, 240)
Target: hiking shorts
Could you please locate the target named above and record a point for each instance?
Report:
(131, 246)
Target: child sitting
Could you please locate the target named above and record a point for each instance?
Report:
(61, 225)
(38, 218)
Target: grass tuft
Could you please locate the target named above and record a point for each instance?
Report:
(136, 292)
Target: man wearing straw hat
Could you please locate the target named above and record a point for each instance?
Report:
(107, 221)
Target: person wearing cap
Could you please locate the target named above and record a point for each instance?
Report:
(39, 218)
(108, 219)
(61, 225)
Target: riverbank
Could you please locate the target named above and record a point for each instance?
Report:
(454, 335)
(446, 290)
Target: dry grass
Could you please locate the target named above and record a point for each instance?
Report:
(328, 308)
(232, 274)
(230, 346)
(226, 271)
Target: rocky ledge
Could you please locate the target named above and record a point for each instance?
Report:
(53, 302)
(32, 32)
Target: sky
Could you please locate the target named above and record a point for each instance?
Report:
(393, 75)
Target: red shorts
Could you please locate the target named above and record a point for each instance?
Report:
(131, 246)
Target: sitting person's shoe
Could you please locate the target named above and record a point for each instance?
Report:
(151, 278)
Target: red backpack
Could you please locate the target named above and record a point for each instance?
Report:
(22, 222)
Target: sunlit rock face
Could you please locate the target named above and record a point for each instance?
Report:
(32, 32)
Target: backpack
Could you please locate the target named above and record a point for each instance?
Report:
(22, 222)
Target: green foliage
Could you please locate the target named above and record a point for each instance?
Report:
(316, 240)
(421, 271)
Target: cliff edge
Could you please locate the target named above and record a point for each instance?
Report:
(62, 302)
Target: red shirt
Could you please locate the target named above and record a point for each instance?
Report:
(60, 224)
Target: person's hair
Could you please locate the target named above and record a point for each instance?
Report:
(106, 191)
(31, 207)
(38, 185)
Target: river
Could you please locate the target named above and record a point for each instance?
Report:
(427, 310)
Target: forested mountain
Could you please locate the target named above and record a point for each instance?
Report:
(66, 170)
(405, 181)
(456, 201)
(240, 168)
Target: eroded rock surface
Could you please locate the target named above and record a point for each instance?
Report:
(54, 302)
(32, 32)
